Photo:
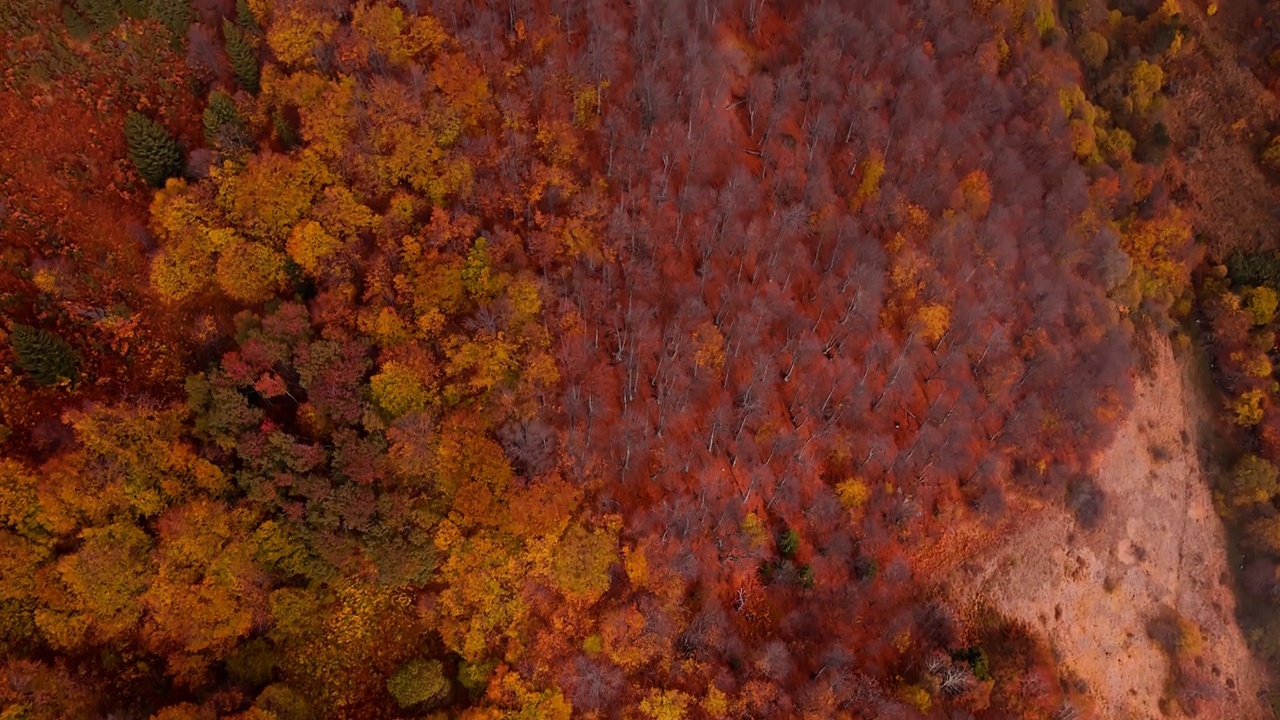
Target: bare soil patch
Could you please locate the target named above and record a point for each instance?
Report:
(1155, 545)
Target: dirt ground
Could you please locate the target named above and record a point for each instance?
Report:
(1219, 113)
(1157, 544)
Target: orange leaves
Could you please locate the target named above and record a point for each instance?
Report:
(975, 193)
(543, 508)
(933, 321)
(294, 34)
(207, 594)
(464, 452)
(464, 88)
(386, 30)
(708, 348)
(1162, 251)
(628, 639)
(309, 246)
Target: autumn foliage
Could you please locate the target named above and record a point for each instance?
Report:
(562, 359)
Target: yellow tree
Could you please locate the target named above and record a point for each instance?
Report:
(250, 272)
(269, 195)
(207, 593)
(95, 594)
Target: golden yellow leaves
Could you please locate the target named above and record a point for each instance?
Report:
(1145, 81)
(250, 272)
(104, 580)
(578, 237)
(636, 565)
(181, 272)
(387, 30)
(708, 348)
(665, 705)
(869, 184)
(1248, 409)
(1159, 249)
(755, 530)
(481, 606)
(309, 245)
(586, 104)
(933, 321)
(271, 193)
(524, 295)
(1260, 302)
(399, 390)
(295, 34)
(853, 494)
(478, 363)
(580, 566)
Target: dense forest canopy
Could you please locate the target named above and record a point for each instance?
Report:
(554, 358)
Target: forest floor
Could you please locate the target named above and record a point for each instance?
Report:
(1157, 545)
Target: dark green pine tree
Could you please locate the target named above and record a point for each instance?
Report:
(284, 131)
(44, 356)
(173, 14)
(137, 9)
(100, 14)
(244, 61)
(223, 126)
(152, 150)
(245, 18)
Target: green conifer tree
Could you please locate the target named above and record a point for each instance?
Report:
(137, 9)
(284, 131)
(245, 18)
(44, 356)
(244, 61)
(153, 151)
(223, 126)
(173, 14)
(100, 14)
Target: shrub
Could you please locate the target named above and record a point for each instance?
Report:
(1086, 501)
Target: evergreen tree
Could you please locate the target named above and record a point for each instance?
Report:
(284, 131)
(244, 61)
(223, 126)
(152, 150)
(137, 9)
(99, 14)
(245, 18)
(44, 356)
(173, 14)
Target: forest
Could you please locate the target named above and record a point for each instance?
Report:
(580, 358)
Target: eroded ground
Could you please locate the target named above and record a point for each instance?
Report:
(1157, 545)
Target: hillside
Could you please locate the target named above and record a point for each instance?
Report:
(1144, 546)
(607, 359)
